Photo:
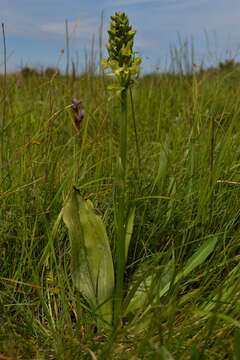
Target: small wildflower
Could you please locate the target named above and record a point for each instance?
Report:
(78, 112)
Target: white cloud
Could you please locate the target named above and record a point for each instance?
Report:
(133, 2)
(164, 3)
(78, 28)
(59, 28)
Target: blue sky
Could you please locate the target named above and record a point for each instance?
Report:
(35, 29)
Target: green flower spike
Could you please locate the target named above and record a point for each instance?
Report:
(122, 60)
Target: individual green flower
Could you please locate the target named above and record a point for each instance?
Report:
(121, 57)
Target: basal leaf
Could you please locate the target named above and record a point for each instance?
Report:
(92, 266)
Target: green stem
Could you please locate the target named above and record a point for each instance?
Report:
(120, 212)
(5, 75)
(123, 133)
(3, 157)
(135, 131)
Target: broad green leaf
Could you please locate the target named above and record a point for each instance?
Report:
(164, 354)
(198, 257)
(143, 291)
(196, 260)
(140, 296)
(115, 88)
(129, 230)
(92, 266)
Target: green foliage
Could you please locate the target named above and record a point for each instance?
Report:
(129, 230)
(92, 266)
(168, 277)
(182, 204)
(237, 345)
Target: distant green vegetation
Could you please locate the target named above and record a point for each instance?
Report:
(186, 227)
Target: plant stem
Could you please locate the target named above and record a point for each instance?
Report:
(67, 47)
(135, 130)
(212, 141)
(123, 133)
(120, 211)
(211, 164)
(4, 98)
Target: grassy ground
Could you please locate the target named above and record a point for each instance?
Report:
(188, 131)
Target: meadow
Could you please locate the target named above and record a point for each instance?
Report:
(184, 180)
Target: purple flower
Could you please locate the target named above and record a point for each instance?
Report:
(78, 112)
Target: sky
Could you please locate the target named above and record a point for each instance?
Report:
(35, 30)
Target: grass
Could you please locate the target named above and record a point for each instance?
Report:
(180, 205)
